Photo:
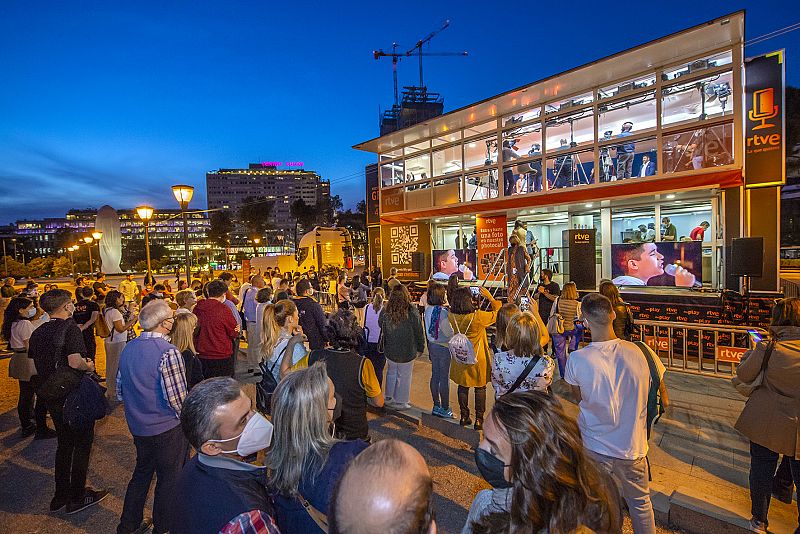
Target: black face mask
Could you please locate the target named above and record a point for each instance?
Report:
(492, 468)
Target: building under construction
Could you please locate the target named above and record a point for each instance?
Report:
(417, 105)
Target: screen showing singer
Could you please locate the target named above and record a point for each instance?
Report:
(657, 264)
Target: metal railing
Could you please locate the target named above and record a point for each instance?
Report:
(697, 348)
(790, 288)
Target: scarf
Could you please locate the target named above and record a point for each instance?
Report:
(433, 329)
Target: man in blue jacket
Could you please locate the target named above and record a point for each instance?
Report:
(625, 153)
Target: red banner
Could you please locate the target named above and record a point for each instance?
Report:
(491, 242)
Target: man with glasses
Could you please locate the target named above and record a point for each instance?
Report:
(152, 383)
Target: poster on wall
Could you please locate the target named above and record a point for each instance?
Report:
(453, 261)
(658, 264)
(373, 206)
(401, 247)
(491, 243)
(765, 146)
(374, 245)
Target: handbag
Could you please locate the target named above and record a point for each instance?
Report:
(747, 388)
(20, 366)
(555, 323)
(524, 374)
(85, 404)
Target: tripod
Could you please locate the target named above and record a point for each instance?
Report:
(696, 135)
(575, 171)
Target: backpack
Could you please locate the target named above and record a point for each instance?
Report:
(266, 386)
(555, 323)
(85, 404)
(655, 406)
(101, 328)
(461, 348)
(630, 327)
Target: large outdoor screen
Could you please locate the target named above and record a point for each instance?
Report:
(451, 261)
(658, 264)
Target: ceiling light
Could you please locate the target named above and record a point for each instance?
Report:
(679, 202)
(472, 145)
(670, 196)
(589, 205)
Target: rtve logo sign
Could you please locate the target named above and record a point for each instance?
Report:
(581, 237)
(764, 109)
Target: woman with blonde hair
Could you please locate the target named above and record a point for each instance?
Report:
(281, 334)
(524, 363)
(623, 322)
(182, 336)
(504, 316)
(305, 461)
(569, 307)
(372, 315)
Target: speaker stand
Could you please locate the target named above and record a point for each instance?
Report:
(746, 295)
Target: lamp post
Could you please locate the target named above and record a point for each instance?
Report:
(256, 241)
(183, 194)
(145, 213)
(72, 249)
(88, 240)
(97, 236)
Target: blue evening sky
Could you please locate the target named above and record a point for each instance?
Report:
(111, 102)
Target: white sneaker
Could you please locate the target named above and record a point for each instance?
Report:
(403, 406)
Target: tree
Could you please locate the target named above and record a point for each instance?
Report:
(221, 226)
(255, 215)
(356, 223)
(38, 267)
(328, 209)
(135, 251)
(15, 268)
(62, 266)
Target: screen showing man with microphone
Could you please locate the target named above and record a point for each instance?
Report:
(657, 264)
(455, 261)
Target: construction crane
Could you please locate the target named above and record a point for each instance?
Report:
(416, 50)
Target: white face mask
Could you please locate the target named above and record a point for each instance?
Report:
(30, 313)
(257, 435)
(70, 309)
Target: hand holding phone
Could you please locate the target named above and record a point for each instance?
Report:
(754, 335)
(475, 290)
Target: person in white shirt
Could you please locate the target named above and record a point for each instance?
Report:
(610, 379)
(129, 289)
(113, 314)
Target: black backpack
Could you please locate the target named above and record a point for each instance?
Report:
(266, 386)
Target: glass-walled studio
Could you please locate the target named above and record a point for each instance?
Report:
(678, 119)
(639, 220)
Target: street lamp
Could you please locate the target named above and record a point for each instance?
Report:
(72, 249)
(256, 241)
(88, 240)
(145, 213)
(183, 194)
(97, 237)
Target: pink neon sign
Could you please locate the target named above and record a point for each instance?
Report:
(280, 163)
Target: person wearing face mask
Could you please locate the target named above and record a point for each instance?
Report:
(17, 329)
(543, 481)
(152, 384)
(119, 321)
(306, 461)
(217, 490)
(59, 343)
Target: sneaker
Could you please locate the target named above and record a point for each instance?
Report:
(478, 424)
(90, 498)
(437, 410)
(758, 526)
(401, 406)
(447, 414)
(465, 421)
(146, 526)
(58, 503)
(46, 433)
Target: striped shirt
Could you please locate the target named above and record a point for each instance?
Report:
(252, 522)
(569, 309)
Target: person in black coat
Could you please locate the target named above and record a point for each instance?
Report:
(312, 318)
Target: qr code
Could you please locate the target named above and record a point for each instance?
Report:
(403, 240)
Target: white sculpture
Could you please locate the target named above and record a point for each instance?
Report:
(110, 246)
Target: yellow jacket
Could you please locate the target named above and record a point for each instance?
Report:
(479, 374)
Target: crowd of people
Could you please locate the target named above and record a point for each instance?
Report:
(306, 463)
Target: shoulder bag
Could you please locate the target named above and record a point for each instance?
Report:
(524, 374)
(747, 388)
(555, 323)
(21, 366)
(318, 517)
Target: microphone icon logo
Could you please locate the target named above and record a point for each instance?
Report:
(764, 108)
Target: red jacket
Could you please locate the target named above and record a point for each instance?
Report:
(216, 330)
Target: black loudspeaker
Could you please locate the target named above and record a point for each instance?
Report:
(747, 257)
(419, 265)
